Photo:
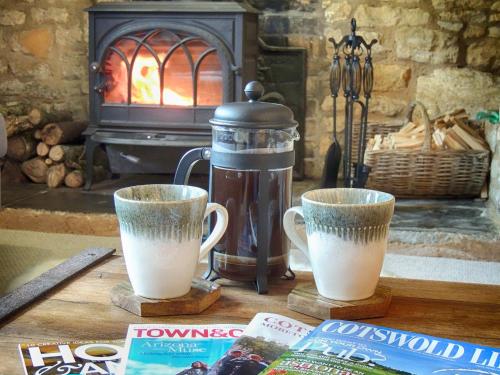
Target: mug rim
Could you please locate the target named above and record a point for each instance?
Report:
(390, 198)
(204, 194)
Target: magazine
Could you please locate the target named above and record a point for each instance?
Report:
(354, 348)
(266, 337)
(176, 349)
(75, 357)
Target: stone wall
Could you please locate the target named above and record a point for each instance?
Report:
(442, 52)
(43, 53)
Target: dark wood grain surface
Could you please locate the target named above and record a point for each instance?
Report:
(82, 310)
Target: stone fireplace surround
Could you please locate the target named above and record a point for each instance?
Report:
(444, 53)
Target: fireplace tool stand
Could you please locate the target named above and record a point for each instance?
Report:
(354, 78)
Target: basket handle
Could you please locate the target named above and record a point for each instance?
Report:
(427, 123)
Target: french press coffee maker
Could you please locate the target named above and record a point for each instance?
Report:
(251, 162)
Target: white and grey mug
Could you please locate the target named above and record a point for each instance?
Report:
(161, 228)
(346, 239)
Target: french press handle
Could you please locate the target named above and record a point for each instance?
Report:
(188, 160)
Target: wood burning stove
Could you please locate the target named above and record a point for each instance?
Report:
(158, 70)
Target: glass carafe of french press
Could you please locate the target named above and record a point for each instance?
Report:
(251, 167)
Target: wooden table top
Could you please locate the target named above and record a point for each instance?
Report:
(82, 310)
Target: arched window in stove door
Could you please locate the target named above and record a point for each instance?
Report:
(160, 67)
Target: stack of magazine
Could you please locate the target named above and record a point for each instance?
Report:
(270, 344)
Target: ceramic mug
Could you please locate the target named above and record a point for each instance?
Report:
(161, 228)
(346, 239)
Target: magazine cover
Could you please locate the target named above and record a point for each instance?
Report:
(266, 337)
(176, 349)
(76, 357)
(353, 348)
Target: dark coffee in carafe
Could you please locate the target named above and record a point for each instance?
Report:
(235, 255)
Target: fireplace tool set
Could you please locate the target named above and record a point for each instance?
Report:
(353, 78)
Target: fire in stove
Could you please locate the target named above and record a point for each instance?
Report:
(162, 69)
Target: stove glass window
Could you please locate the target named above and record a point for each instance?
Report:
(160, 67)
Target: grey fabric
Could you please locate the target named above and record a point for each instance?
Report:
(3, 137)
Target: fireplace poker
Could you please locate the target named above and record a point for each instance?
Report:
(334, 153)
(363, 170)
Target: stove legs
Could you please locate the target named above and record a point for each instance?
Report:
(90, 146)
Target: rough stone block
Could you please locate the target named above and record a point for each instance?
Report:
(40, 15)
(275, 24)
(466, 4)
(387, 106)
(37, 42)
(12, 17)
(494, 32)
(3, 66)
(469, 16)
(413, 17)
(425, 45)
(383, 16)
(309, 147)
(315, 45)
(313, 168)
(451, 88)
(11, 87)
(451, 26)
(324, 143)
(408, 3)
(484, 54)
(494, 17)
(391, 77)
(337, 11)
(70, 38)
(474, 31)
(22, 65)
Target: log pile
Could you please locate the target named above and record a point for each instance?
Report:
(43, 147)
(451, 131)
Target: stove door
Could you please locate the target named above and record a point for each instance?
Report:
(156, 75)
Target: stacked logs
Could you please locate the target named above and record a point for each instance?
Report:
(43, 147)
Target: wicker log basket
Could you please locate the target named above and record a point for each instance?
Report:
(427, 173)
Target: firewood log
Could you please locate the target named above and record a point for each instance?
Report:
(21, 147)
(35, 169)
(62, 132)
(70, 153)
(42, 149)
(17, 124)
(471, 141)
(74, 179)
(55, 175)
(39, 117)
(37, 134)
(49, 161)
(11, 173)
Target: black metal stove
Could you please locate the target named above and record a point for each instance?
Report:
(158, 70)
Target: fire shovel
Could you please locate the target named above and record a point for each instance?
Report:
(334, 152)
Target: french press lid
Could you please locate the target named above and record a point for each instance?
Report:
(254, 114)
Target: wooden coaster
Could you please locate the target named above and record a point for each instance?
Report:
(203, 293)
(306, 300)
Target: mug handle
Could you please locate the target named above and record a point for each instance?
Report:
(219, 229)
(291, 230)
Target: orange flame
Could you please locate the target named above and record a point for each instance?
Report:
(146, 85)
